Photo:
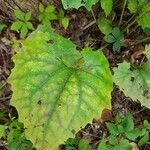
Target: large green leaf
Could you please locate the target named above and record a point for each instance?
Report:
(78, 3)
(56, 89)
(136, 83)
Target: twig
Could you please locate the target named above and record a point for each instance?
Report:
(3, 85)
(124, 5)
(5, 98)
(141, 41)
(133, 29)
(89, 25)
(127, 22)
(103, 47)
(93, 15)
(139, 111)
(131, 23)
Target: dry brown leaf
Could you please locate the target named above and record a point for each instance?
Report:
(137, 52)
(105, 116)
(134, 146)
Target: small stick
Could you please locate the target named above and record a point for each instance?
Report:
(5, 98)
(121, 17)
(141, 41)
(89, 25)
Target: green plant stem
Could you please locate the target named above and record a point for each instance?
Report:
(124, 5)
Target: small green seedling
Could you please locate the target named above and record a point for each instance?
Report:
(22, 24)
(116, 38)
(63, 21)
(147, 31)
(145, 138)
(16, 137)
(114, 144)
(122, 132)
(74, 144)
(2, 129)
(71, 144)
(2, 26)
(104, 26)
(47, 14)
(83, 145)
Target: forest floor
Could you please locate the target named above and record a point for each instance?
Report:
(82, 31)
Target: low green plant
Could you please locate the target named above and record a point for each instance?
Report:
(22, 24)
(71, 144)
(147, 31)
(83, 145)
(145, 138)
(15, 136)
(74, 144)
(2, 26)
(63, 21)
(63, 87)
(2, 129)
(115, 144)
(122, 132)
(104, 26)
(106, 5)
(141, 9)
(134, 82)
(47, 14)
(116, 38)
(78, 3)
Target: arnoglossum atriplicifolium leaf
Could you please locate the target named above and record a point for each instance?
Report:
(57, 89)
(135, 84)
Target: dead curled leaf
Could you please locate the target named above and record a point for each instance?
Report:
(137, 52)
(105, 116)
(134, 146)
